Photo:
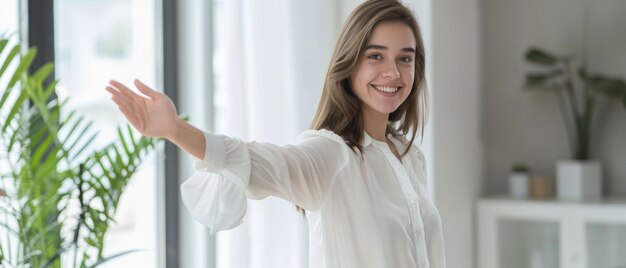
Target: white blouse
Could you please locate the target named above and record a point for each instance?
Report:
(369, 211)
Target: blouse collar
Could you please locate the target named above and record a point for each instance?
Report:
(399, 142)
(367, 139)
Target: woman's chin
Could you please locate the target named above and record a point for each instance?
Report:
(386, 110)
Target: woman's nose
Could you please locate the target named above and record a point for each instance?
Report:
(391, 72)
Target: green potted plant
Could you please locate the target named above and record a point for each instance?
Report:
(50, 182)
(577, 93)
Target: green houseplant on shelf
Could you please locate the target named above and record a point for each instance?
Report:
(57, 196)
(577, 93)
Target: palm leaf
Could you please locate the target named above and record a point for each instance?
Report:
(3, 44)
(16, 107)
(21, 69)
(7, 61)
(43, 73)
(85, 145)
(123, 140)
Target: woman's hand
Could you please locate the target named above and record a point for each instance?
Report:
(153, 116)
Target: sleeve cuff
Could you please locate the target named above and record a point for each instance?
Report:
(215, 200)
(214, 154)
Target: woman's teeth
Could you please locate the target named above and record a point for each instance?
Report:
(387, 89)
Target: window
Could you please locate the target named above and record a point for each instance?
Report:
(8, 16)
(95, 41)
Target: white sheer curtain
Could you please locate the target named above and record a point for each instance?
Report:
(270, 61)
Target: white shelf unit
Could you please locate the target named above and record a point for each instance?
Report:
(517, 233)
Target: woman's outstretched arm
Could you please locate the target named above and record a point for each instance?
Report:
(155, 116)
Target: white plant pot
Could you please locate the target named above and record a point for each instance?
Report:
(518, 184)
(579, 180)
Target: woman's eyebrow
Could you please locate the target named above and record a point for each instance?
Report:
(374, 46)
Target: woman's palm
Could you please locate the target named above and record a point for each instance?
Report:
(154, 116)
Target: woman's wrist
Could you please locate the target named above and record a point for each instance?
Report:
(188, 138)
(178, 128)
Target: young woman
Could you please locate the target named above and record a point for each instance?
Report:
(356, 173)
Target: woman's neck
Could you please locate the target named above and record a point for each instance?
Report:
(375, 124)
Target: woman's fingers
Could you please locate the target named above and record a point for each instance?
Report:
(121, 101)
(125, 90)
(146, 89)
(132, 119)
(130, 112)
(120, 98)
(132, 105)
(117, 94)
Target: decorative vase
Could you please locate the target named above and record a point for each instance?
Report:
(518, 184)
(579, 180)
(541, 187)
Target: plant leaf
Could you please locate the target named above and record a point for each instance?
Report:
(9, 58)
(50, 89)
(536, 80)
(25, 63)
(16, 107)
(85, 145)
(3, 44)
(43, 72)
(543, 80)
(541, 57)
(610, 86)
(123, 140)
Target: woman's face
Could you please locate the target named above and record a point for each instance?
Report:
(386, 69)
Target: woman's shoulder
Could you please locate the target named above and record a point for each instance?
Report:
(323, 135)
(325, 142)
(328, 145)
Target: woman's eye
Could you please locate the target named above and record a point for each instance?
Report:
(406, 59)
(375, 57)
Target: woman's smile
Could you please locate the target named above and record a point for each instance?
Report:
(386, 90)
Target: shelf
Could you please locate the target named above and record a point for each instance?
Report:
(609, 209)
(516, 233)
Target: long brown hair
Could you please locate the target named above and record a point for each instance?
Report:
(340, 110)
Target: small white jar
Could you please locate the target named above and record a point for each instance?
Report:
(518, 184)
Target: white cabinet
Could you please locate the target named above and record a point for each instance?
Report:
(551, 234)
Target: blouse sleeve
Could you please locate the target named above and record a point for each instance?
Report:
(301, 174)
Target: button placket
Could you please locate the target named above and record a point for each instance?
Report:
(412, 200)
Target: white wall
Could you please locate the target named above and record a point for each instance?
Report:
(456, 124)
(527, 127)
